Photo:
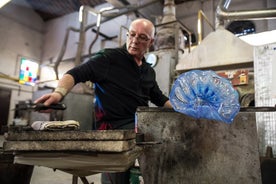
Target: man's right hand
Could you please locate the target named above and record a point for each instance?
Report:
(48, 99)
(65, 84)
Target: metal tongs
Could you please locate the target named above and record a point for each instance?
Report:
(40, 106)
(258, 109)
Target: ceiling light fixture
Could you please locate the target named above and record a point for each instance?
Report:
(262, 38)
(3, 3)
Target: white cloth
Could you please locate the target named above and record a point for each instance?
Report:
(55, 125)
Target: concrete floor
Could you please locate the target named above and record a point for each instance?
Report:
(44, 175)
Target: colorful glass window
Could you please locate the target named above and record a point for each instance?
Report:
(28, 72)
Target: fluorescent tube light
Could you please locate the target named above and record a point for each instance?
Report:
(3, 2)
(262, 38)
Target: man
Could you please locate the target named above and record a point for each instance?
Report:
(123, 80)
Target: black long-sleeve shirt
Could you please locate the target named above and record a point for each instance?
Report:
(120, 85)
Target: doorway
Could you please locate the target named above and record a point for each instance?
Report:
(5, 96)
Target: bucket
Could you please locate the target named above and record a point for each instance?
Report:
(135, 176)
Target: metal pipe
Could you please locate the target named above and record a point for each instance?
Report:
(63, 49)
(4, 76)
(222, 13)
(130, 9)
(99, 18)
(84, 28)
(199, 24)
(83, 20)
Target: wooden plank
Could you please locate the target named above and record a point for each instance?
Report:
(70, 135)
(108, 146)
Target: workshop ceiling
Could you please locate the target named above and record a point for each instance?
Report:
(50, 9)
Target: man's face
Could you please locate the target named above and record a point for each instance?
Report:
(138, 39)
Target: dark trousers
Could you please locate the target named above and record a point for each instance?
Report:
(116, 178)
(120, 177)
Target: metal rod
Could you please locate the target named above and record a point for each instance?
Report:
(222, 13)
(199, 24)
(63, 49)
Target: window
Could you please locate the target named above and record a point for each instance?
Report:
(28, 71)
(240, 28)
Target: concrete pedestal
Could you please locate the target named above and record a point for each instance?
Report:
(198, 151)
(80, 153)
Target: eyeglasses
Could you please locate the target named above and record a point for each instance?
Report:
(140, 38)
